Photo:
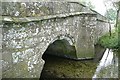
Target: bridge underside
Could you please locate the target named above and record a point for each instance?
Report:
(26, 35)
(62, 48)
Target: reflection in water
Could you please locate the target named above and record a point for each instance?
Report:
(108, 67)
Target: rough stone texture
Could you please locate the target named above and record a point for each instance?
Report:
(101, 29)
(25, 39)
(0, 52)
(41, 8)
(85, 37)
(24, 44)
(0, 46)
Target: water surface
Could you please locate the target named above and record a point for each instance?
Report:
(105, 65)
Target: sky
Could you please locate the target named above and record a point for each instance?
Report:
(99, 6)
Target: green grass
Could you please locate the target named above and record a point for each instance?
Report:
(108, 41)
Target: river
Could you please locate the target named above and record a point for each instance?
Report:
(104, 65)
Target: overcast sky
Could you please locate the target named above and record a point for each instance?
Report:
(99, 6)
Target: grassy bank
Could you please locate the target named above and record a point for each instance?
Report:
(108, 41)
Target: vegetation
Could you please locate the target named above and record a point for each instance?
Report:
(108, 41)
(112, 41)
(111, 14)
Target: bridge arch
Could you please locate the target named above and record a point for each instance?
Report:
(67, 37)
(63, 46)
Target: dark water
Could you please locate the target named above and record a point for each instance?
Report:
(104, 65)
(57, 67)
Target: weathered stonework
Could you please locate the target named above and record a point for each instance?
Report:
(28, 32)
(24, 43)
(22, 9)
(101, 29)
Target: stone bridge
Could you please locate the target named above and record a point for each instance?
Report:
(28, 28)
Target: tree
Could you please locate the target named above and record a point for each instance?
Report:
(111, 14)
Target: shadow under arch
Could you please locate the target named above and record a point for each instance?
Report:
(66, 37)
(62, 46)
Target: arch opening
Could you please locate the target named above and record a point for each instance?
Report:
(59, 48)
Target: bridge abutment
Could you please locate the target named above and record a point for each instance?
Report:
(86, 36)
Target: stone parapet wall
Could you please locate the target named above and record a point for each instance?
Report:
(10, 19)
(22, 9)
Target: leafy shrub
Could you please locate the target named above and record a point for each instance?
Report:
(108, 41)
